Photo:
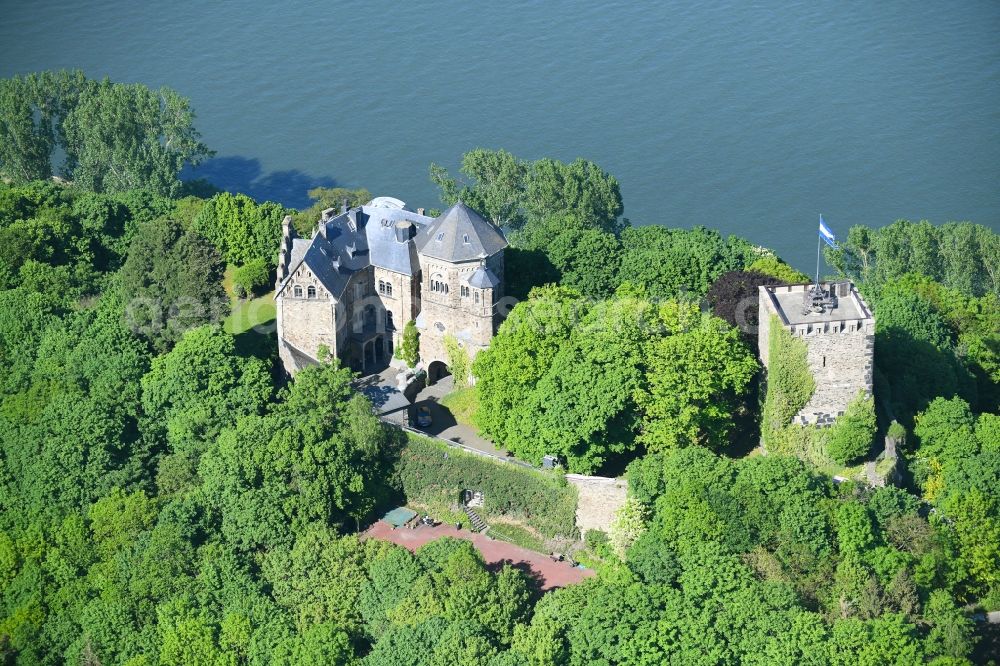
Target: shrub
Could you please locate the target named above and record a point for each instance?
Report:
(409, 349)
(850, 437)
(249, 278)
(434, 473)
(776, 268)
(595, 539)
(458, 361)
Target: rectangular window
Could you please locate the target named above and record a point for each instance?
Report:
(477, 297)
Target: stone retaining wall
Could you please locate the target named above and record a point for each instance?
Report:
(598, 502)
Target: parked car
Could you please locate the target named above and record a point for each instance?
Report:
(424, 419)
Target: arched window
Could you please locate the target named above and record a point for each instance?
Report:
(477, 297)
(389, 326)
(311, 292)
(297, 291)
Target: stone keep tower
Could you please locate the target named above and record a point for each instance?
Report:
(839, 331)
(461, 262)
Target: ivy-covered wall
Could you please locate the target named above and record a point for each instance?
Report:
(789, 382)
(433, 474)
(790, 385)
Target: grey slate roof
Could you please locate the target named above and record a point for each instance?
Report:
(353, 241)
(386, 251)
(483, 278)
(460, 234)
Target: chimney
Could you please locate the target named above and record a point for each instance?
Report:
(404, 231)
(327, 214)
(343, 206)
(420, 211)
(287, 233)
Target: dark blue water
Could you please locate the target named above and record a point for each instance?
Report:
(751, 117)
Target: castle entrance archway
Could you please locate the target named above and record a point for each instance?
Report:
(435, 371)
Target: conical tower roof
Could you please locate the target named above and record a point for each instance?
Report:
(460, 234)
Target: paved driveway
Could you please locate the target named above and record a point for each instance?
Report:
(444, 424)
(391, 405)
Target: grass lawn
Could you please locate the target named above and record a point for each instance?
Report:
(248, 314)
(250, 321)
(518, 536)
(462, 404)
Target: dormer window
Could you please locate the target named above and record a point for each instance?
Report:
(440, 237)
(297, 291)
(311, 292)
(465, 238)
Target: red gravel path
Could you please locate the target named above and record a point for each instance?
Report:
(552, 574)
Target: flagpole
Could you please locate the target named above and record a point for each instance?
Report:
(817, 254)
(817, 261)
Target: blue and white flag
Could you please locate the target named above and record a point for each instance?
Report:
(826, 234)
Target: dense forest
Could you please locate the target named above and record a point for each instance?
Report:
(168, 497)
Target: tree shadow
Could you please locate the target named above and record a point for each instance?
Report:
(258, 345)
(535, 580)
(378, 394)
(238, 174)
(916, 372)
(745, 435)
(525, 269)
(441, 416)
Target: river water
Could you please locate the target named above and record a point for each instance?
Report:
(750, 117)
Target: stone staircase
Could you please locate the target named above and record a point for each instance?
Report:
(478, 524)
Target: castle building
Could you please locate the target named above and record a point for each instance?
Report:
(369, 270)
(839, 331)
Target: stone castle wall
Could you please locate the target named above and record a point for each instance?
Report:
(402, 302)
(451, 313)
(306, 323)
(841, 365)
(599, 500)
